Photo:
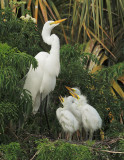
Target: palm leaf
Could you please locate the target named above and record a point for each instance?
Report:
(43, 10)
(117, 88)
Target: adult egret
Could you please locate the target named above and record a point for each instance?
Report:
(42, 80)
(67, 120)
(91, 119)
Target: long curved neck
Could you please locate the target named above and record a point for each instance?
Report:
(54, 56)
(46, 35)
(55, 46)
(55, 53)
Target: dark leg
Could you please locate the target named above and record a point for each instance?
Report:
(45, 112)
(91, 135)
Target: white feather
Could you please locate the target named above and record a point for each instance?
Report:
(42, 80)
(70, 105)
(91, 120)
(67, 120)
(84, 113)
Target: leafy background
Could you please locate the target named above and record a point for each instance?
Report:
(92, 53)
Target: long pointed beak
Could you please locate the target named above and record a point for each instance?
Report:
(70, 89)
(58, 21)
(61, 99)
(74, 95)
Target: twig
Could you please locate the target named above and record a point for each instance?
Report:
(35, 155)
(35, 135)
(12, 132)
(107, 151)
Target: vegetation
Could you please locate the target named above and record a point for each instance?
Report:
(92, 60)
(12, 104)
(18, 33)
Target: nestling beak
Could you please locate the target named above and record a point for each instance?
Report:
(74, 95)
(61, 99)
(59, 21)
(70, 89)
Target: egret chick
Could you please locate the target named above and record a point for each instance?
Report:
(91, 119)
(70, 105)
(67, 120)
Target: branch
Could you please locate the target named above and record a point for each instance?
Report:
(108, 151)
(35, 155)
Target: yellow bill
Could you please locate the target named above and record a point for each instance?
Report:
(70, 89)
(58, 21)
(61, 99)
(74, 95)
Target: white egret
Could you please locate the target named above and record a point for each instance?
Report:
(67, 120)
(69, 103)
(91, 119)
(42, 80)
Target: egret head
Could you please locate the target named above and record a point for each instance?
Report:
(65, 101)
(75, 90)
(74, 95)
(47, 28)
(82, 99)
(51, 24)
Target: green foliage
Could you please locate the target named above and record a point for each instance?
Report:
(61, 150)
(121, 147)
(18, 33)
(12, 104)
(112, 72)
(8, 110)
(11, 151)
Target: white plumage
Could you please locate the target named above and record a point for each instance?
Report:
(71, 105)
(68, 121)
(42, 80)
(91, 120)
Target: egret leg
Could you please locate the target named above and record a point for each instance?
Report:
(81, 134)
(91, 135)
(78, 135)
(45, 112)
(67, 136)
(86, 137)
(70, 137)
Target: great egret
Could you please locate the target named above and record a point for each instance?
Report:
(42, 80)
(67, 120)
(91, 119)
